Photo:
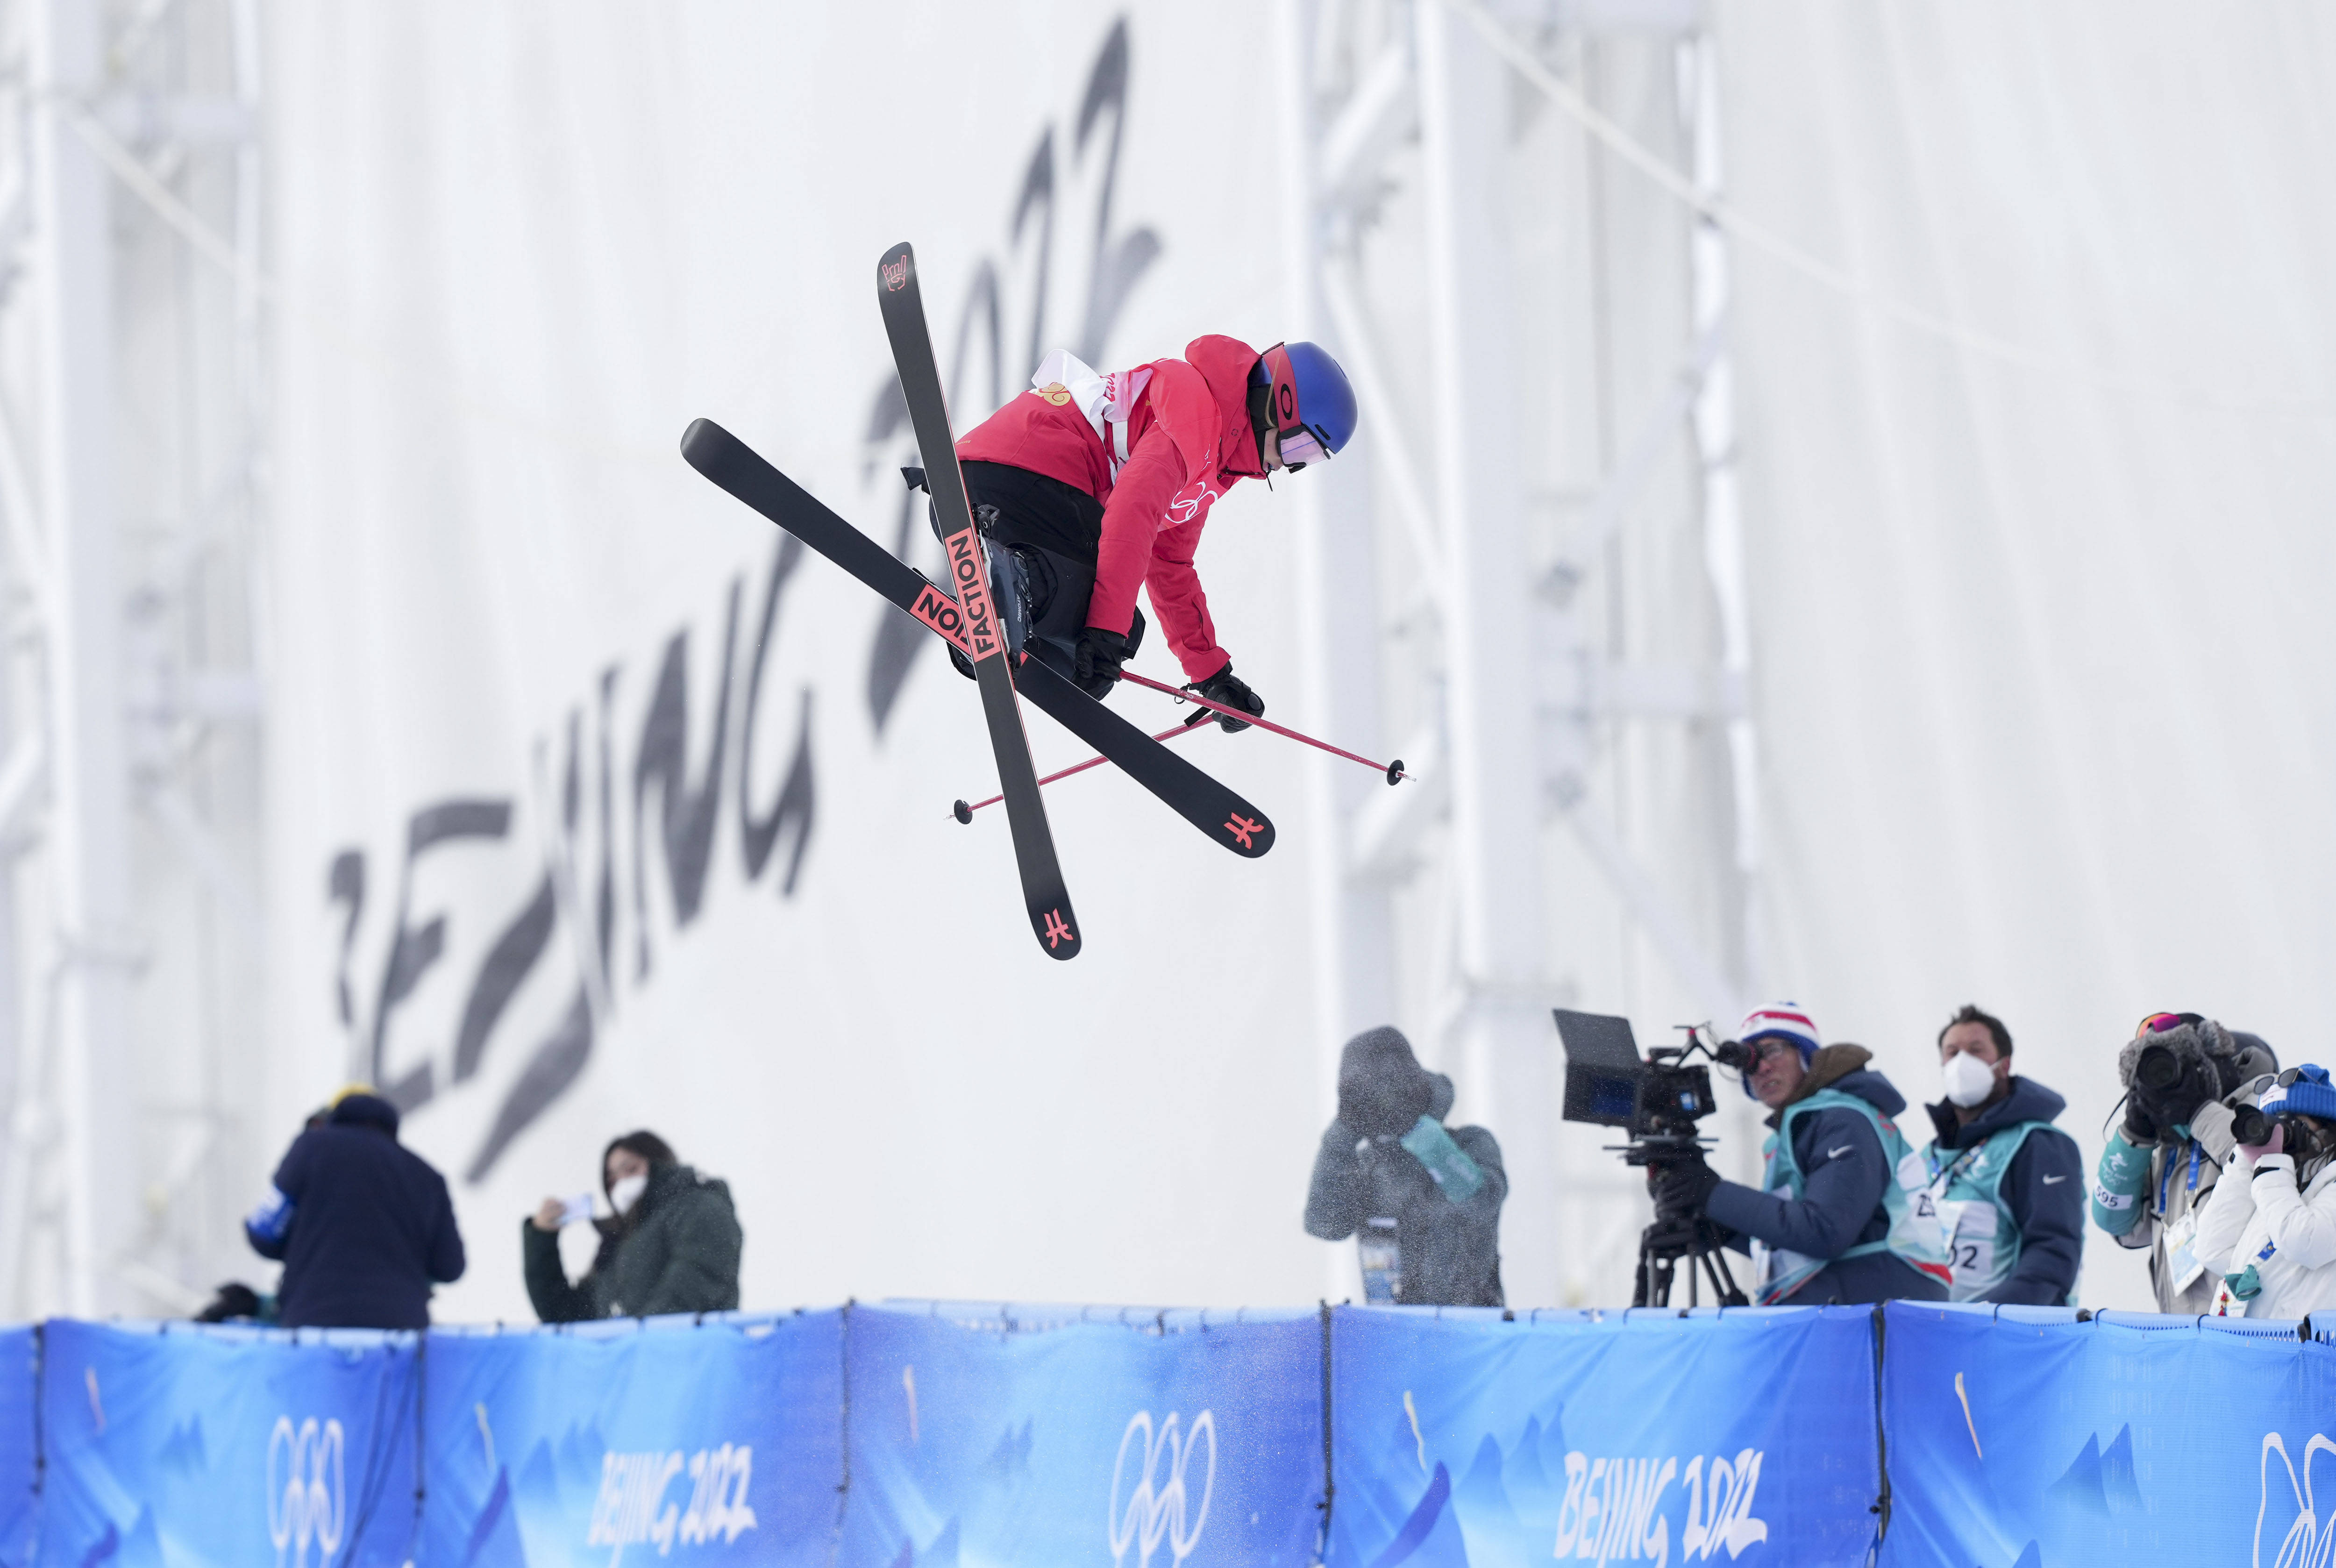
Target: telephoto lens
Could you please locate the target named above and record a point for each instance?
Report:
(2250, 1125)
(2156, 1068)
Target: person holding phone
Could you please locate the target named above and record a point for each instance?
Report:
(671, 1243)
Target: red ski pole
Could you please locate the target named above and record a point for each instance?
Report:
(964, 812)
(1394, 770)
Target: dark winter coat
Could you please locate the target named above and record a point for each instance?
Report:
(1844, 1176)
(363, 1225)
(2044, 1188)
(676, 1252)
(1451, 1251)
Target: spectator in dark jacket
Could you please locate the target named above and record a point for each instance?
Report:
(2008, 1186)
(1387, 1157)
(672, 1247)
(364, 1226)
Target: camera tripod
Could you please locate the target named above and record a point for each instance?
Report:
(1661, 1100)
(1661, 1247)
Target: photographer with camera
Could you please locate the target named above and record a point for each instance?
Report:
(1835, 1221)
(1427, 1202)
(2267, 1236)
(2006, 1184)
(2183, 1075)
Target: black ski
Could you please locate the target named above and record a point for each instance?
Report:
(903, 303)
(1218, 812)
(1184, 789)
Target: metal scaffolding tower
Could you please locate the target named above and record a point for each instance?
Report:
(131, 462)
(1545, 507)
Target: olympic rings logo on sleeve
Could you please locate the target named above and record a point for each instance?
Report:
(1156, 1506)
(307, 1497)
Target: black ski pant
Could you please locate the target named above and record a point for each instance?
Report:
(1042, 537)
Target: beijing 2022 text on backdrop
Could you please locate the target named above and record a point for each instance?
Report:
(596, 806)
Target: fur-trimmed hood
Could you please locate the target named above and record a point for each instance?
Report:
(2236, 1057)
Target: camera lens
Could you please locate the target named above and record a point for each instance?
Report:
(2156, 1068)
(2250, 1125)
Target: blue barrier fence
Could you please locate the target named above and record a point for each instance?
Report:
(952, 1434)
(1636, 1437)
(2028, 1438)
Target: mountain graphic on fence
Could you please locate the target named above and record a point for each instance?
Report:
(1407, 1509)
(2101, 1480)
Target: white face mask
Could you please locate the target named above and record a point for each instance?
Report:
(627, 1192)
(1968, 1080)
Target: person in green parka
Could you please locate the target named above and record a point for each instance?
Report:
(672, 1246)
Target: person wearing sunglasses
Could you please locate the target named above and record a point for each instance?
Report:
(2267, 1237)
(2184, 1075)
(1088, 487)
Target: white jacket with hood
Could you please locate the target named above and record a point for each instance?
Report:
(2256, 1217)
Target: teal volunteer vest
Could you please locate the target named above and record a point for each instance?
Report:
(1915, 1237)
(1965, 1194)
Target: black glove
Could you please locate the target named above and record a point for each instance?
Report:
(1229, 689)
(234, 1300)
(2139, 1130)
(961, 662)
(1682, 1190)
(2177, 1103)
(1095, 667)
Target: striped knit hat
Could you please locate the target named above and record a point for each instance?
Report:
(1783, 1021)
(1779, 1021)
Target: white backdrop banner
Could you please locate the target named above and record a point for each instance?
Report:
(597, 803)
(2041, 651)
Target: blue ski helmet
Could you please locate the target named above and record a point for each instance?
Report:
(1307, 398)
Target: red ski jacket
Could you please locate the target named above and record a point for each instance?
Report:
(1187, 441)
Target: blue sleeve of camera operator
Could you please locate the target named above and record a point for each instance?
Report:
(1843, 1178)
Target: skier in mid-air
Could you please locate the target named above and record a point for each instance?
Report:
(1088, 487)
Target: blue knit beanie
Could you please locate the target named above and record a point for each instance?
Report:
(2310, 1095)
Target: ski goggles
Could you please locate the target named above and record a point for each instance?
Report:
(1300, 443)
(2159, 1022)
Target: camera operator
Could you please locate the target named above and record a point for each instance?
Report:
(2007, 1185)
(1836, 1222)
(2268, 1234)
(2182, 1074)
(1388, 1167)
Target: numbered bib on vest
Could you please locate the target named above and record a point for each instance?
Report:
(1968, 1227)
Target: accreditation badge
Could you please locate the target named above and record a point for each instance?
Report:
(2181, 1252)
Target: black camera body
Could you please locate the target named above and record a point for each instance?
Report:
(2250, 1124)
(1659, 1100)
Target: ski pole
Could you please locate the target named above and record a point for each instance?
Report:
(964, 812)
(1394, 770)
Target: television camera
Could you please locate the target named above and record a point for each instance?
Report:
(1659, 1100)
